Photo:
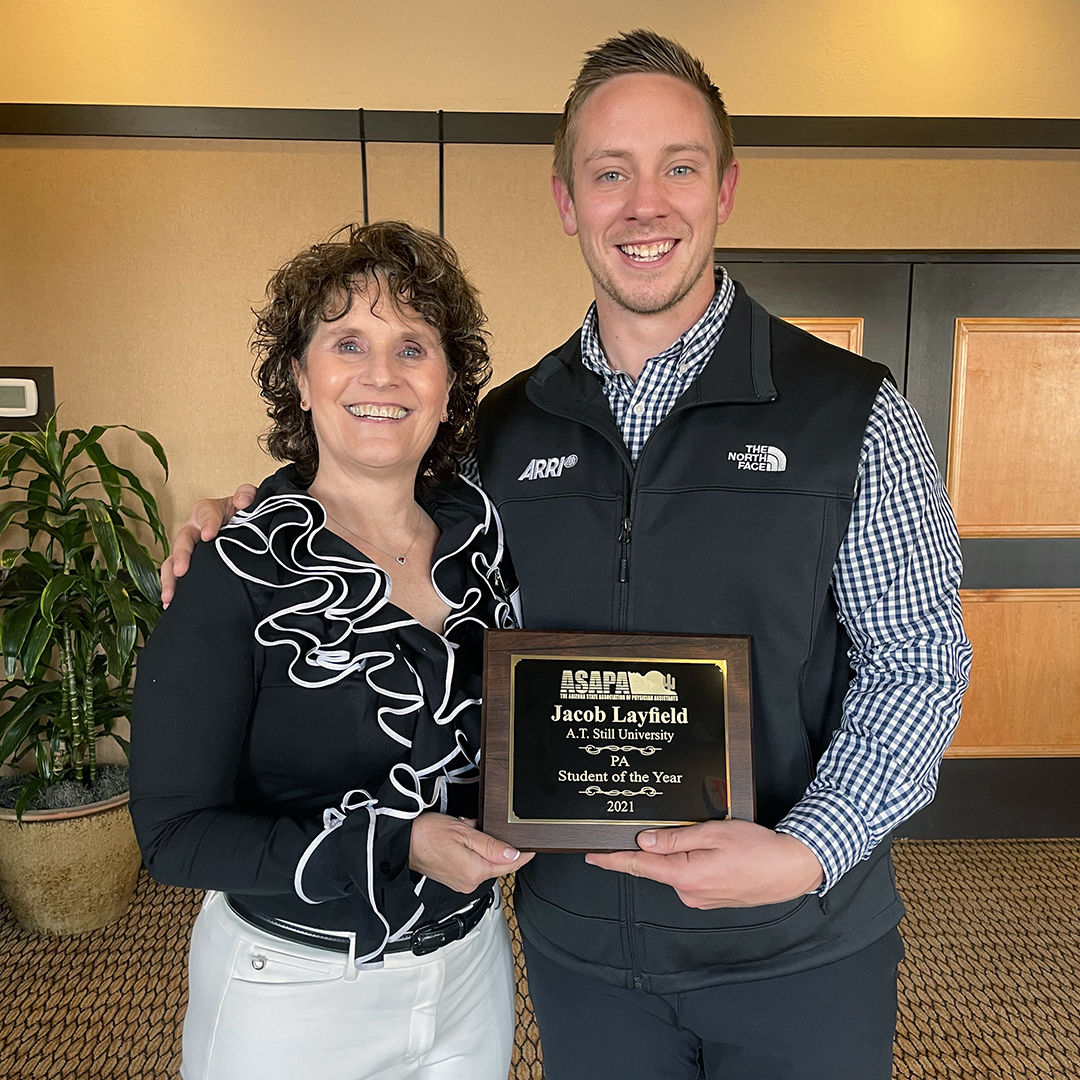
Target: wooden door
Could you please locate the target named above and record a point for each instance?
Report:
(995, 367)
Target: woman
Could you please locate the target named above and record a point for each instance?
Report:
(306, 726)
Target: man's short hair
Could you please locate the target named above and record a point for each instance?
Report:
(639, 52)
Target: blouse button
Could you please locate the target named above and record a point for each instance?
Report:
(258, 962)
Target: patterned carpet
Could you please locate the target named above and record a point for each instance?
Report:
(990, 987)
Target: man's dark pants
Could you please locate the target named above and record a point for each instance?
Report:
(835, 1022)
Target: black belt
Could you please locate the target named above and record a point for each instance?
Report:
(423, 940)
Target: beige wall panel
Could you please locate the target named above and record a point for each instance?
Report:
(828, 57)
(501, 218)
(1024, 698)
(1014, 459)
(794, 198)
(844, 333)
(130, 266)
(403, 182)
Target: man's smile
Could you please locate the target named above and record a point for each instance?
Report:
(647, 253)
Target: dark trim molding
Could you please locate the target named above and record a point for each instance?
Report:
(723, 256)
(344, 125)
(1026, 562)
(926, 132)
(1001, 798)
(181, 122)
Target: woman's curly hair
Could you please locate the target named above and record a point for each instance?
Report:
(419, 269)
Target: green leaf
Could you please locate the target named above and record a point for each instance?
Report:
(27, 793)
(154, 445)
(110, 476)
(146, 613)
(39, 564)
(39, 490)
(23, 717)
(16, 623)
(85, 438)
(13, 465)
(53, 450)
(148, 501)
(10, 509)
(9, 556)
(123, 629)
(52, 592)
(58, 521)
(142, 570)
(33, 445)
(8, 450)
(38, 638)
(105, 534)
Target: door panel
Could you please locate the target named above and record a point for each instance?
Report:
(1024, 699)
(843, 333)
(875, 293)
(994, 368)
(1014, 459)
(1007, 324)
(941, 293)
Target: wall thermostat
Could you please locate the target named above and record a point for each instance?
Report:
(18, 397)
(27, 398)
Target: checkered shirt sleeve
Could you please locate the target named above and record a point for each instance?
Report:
(895, 581)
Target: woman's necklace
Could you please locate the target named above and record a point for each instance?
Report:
(365, 540)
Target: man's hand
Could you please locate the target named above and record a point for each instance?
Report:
(207, 517)
(721, 864)
(452, 851)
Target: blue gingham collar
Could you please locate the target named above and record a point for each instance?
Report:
(699, 340)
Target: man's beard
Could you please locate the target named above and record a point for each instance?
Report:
(648, 306)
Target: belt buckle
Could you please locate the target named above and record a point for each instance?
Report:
(429, 938)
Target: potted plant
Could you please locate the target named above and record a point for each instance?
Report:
(78, 593)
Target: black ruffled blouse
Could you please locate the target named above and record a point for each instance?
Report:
(290, 721)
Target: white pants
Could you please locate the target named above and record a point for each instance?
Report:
(261, 1008)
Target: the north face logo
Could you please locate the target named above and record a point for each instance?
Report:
(543, 468)
(759, 458)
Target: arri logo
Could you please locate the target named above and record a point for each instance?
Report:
(759, 458)
(543, 468)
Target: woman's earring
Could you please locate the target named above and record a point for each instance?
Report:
(445, 417)
(303, 404)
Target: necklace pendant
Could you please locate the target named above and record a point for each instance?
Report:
(401, 559)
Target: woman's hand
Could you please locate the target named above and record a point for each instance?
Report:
(207, 517)
(456, 854)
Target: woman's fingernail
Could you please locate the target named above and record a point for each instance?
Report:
(646, 839)
(509, 854)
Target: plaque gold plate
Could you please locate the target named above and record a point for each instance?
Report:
(589, 738)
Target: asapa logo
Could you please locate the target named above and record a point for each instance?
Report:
(759, 458)
(543, 468)
(617, 686)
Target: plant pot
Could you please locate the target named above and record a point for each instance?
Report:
(68, 871)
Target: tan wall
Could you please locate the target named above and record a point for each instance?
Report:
(792, 198)
(840, 57)
(130, 266)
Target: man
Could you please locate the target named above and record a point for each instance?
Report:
(729, 949)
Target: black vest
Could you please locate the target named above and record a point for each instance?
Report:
(729, 524)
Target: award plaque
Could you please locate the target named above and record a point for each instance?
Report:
(588, 738)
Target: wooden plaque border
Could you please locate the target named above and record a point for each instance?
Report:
(500, 645)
